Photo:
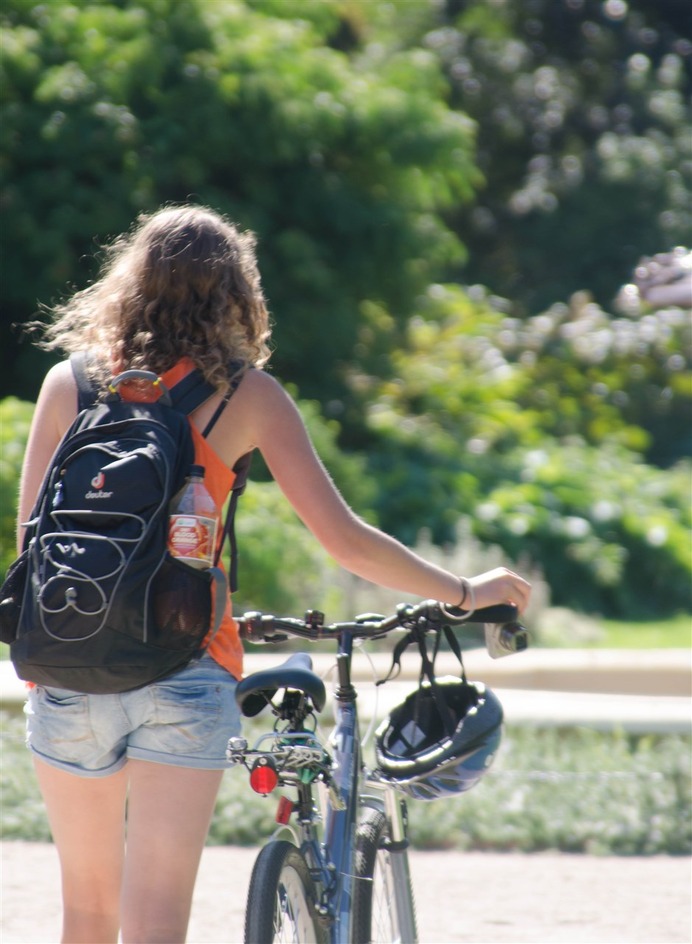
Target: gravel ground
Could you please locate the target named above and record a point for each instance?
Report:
(475, 898)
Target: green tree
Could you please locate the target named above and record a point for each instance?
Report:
(340, 163)
(343, 133)
(583, 119)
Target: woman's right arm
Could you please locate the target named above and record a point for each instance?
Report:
(56, 407)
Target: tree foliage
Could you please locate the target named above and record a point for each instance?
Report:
(583, 121)
(341, 164)
(385, 153)
(526, 428)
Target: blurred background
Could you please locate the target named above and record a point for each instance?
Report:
(472, 218)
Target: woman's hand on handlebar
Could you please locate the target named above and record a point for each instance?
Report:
(500, 586)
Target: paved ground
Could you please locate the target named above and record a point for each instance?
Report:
(461, 897)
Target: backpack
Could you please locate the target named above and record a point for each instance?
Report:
(104, 607)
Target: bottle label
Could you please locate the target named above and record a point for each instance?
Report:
(192, 538)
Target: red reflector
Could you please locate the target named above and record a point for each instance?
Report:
(284, 810)
(263, 776)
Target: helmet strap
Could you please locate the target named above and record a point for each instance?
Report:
(453, 643)
(427, 665)
(427, 671)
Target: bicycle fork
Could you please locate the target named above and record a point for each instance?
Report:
(395, 811)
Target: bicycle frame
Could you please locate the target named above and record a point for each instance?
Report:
(340, 818)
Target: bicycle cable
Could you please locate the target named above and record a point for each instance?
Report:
(360, 644)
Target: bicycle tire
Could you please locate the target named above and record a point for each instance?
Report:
(382, 881)
(281, 898)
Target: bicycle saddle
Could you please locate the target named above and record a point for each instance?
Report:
(255, 691)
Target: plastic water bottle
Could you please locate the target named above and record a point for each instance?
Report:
(193, 522)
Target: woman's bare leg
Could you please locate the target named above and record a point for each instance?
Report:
(87, 820)
(169, 812)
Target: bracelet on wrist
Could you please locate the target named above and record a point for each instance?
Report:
(471, 605)
(470, 608)
(465, 592)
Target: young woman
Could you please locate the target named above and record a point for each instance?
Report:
(182, 289)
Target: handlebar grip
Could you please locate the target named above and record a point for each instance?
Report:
(257, 628)
(498, 613)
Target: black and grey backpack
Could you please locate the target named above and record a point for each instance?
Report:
(96, 603)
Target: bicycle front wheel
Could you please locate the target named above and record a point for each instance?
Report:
(383, 904)
(281, 900)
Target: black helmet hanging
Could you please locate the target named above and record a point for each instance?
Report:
(443, 737)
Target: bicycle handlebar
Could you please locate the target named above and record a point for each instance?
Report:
(507, 633)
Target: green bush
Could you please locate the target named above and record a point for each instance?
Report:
(538, 432)
(282, 568)
(583, 118)
(572, 790)
(15, 419)
(342, 165)
(610, 533)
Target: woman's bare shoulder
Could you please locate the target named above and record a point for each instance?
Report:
(58, 395)
(257, 382)
(61, 374)
(259, 392)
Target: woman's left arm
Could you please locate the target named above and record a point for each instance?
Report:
(279, 433)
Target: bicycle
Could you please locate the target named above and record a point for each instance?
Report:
(336, 871)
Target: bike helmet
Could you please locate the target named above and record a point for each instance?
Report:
(442, 738)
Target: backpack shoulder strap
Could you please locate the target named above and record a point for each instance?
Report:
(190, 392)
(241, 470)
(87, 391)
(193, 390)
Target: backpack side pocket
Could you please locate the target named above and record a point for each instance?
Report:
(181, 599)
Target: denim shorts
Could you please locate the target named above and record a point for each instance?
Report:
(184, 720)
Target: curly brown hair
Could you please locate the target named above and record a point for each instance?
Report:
(183, 282)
